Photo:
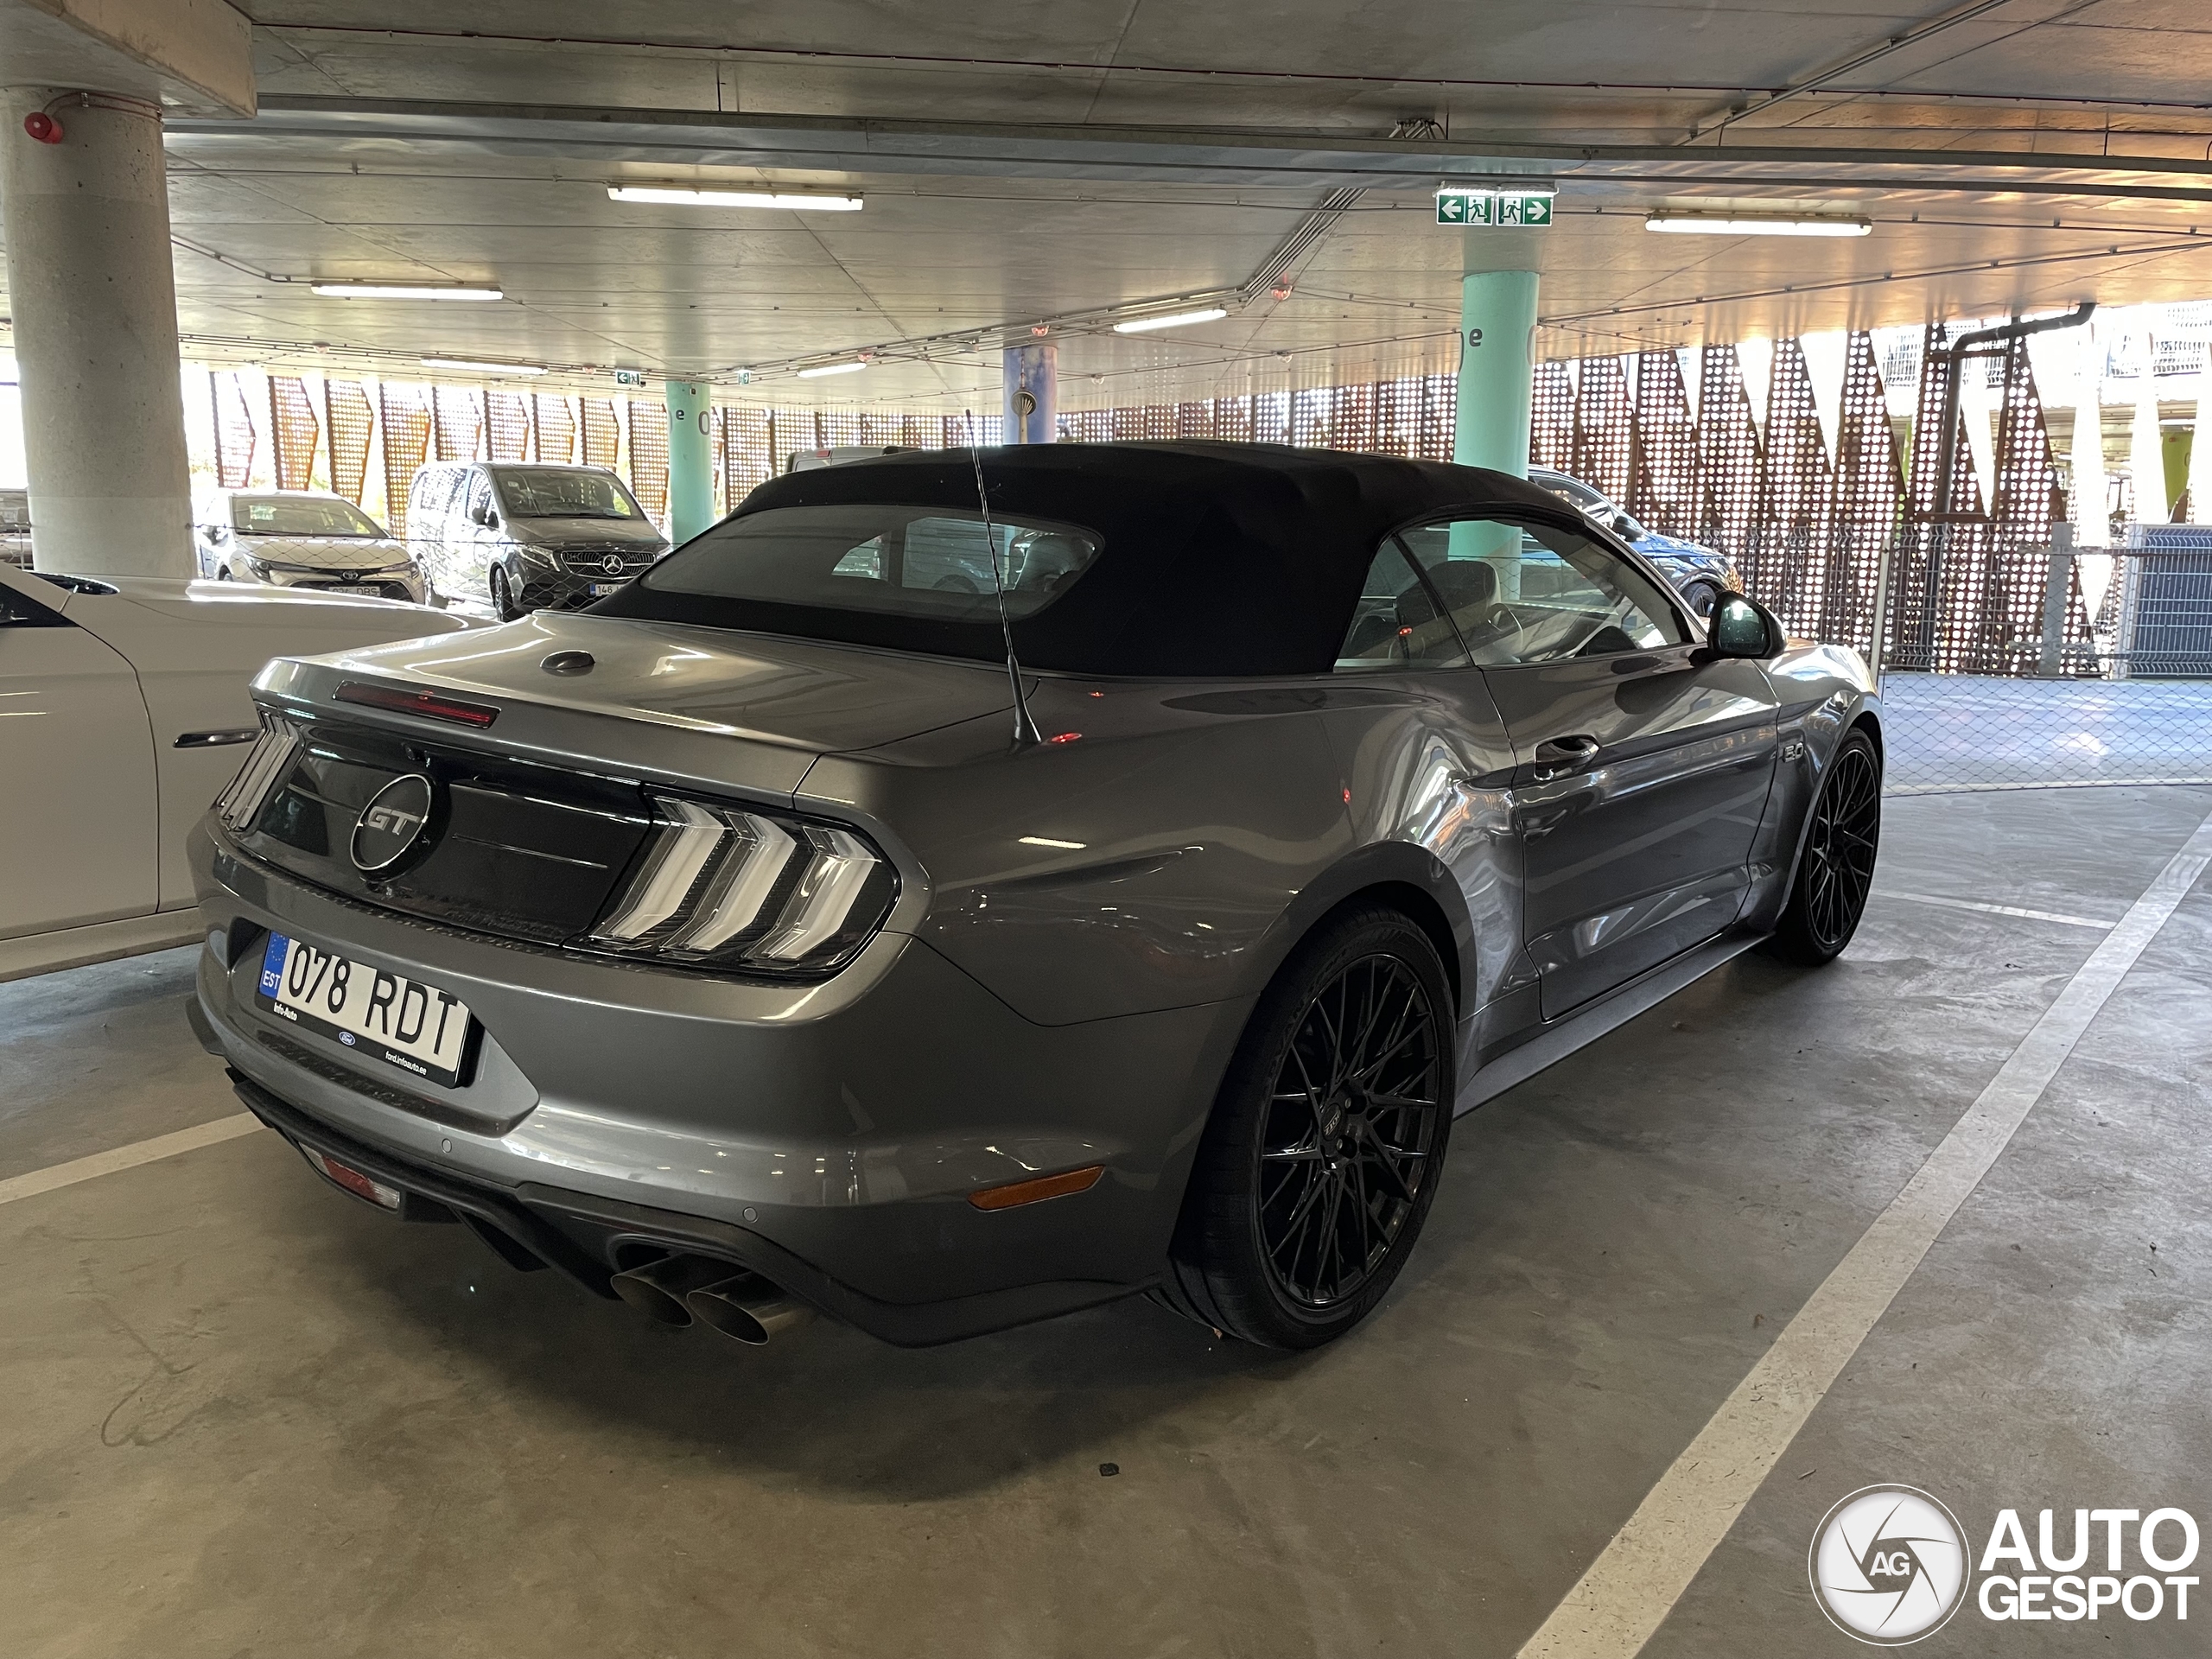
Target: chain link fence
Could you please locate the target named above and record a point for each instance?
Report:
(2115, 687)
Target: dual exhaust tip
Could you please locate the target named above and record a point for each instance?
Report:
(680, 1290)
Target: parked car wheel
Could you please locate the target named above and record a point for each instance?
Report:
(503, 598)
(1837, 866)
(1701, 596)
(1322, 1157)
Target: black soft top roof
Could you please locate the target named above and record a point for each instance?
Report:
(1216, 558)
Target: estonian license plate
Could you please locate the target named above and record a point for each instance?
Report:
(601, 589)
(403, 1022)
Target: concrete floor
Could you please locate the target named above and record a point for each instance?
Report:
(249, 1416)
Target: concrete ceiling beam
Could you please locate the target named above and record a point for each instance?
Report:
(1225, 157)
(191, 56)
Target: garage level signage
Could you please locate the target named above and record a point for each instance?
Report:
(1492, 208)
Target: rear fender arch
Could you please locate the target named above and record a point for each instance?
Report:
(1394, 872)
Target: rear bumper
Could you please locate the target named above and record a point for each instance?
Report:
(826, 1136)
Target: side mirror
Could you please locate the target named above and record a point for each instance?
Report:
(1626, 527)
(1742, 627)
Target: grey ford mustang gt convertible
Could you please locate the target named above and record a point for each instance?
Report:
(762, 941)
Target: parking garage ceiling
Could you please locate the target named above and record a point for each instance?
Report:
(1064, 162)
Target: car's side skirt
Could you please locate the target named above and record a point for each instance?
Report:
(1588, 1023)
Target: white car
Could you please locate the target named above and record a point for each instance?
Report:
(302, 538)
(124, 712)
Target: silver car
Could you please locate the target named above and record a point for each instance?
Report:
(1699, 573)
(301, 538)
(762, 940)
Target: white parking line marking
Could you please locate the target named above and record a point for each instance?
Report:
(1638, 1577)
(2001, 910)
(130, 1157)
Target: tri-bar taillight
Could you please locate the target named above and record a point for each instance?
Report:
(722, 885)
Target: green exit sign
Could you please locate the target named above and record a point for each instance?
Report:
(1490, 207)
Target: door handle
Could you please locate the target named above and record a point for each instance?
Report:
(1561, 754)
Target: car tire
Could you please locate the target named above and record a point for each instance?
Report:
(1701, 596)
(1843, 835)
(502, 597)
(1364, 999)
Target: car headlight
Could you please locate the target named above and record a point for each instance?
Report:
(724, 886)
(544, 558)
(259, 567)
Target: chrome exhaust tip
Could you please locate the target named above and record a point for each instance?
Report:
(658, 1288)
(747, 1309)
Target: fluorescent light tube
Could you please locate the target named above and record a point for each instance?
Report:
(830, 368)
(1181, 319)
(680, 196)
(1707, 225)
(467, 366)
(403, 291)
(1502, 187)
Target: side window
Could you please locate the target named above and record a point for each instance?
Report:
(1534, 594)
(1396, 624)
(18, 612)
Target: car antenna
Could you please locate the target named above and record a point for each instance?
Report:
(1024, 728)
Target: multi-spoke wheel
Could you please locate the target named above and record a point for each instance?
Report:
(1326, 1145)
(1837, 866)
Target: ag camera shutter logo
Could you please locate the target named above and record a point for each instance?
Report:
(1888, 1565)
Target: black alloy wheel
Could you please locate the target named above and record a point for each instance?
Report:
(1702, 595)
(1340, 1154)
(1842, 838)
(503, 598)
(1324, 1149)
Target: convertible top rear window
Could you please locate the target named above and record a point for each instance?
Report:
(929, 563)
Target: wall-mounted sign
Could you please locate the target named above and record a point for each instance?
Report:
(1492, 207)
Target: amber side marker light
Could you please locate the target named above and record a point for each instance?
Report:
(428, 704)
(1044, 1186)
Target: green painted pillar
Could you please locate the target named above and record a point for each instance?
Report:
(691, 459)
(1497, 331)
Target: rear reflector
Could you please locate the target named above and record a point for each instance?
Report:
(1044, 1186)
(360, 1186)
(428, 704)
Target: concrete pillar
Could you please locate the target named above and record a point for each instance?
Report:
(691, 459)
(94, 299)
(1033, 393)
